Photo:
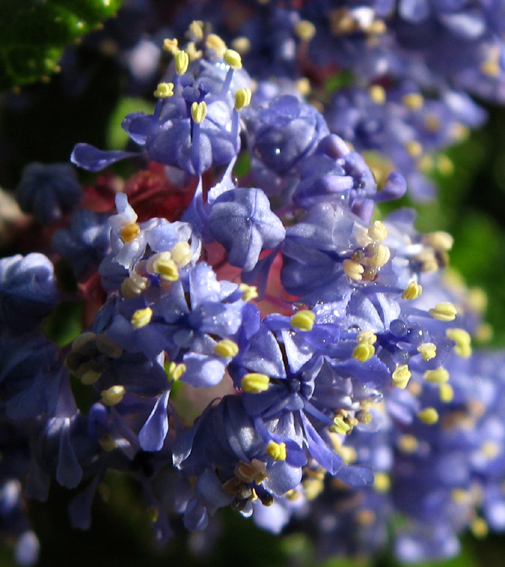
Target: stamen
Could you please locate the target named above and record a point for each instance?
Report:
(305, 30)
(226, 348)
(277, 451)
(215, 43)
(377, 94)
(164, 90)
(233, 59)
(181, 62)
(438, 376)
(366, 337)
(407, 444)
(463, 340)
(303, 320)
(353, 270)
(113, 395)
(378, 231)
(199, 111)
(412, 291)
(163, 265)
(174, 371)
(141, 318)
(446, 393)
(181, 254)
(444, 311)
(255, 382)
(382, 482)
(413, 101)
(130, 232)
(363, 352)
(196, 29)
(255, 471)
(427, 350)
(242, 98)
(428, 416)
(249, 292)
(171, 45)
(401, 376)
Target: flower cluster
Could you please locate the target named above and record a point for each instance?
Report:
(255, 333)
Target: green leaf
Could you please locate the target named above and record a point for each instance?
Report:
(35, 33)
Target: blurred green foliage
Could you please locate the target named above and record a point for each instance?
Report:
(35, 33)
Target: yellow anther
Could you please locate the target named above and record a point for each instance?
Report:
(90, 377)
(438, 376)
(255, 382)
(171, 45)
(367, 337)
(445, 165)
(444, 311)
(432, 122)
(113, 395)
(461, 496)
(363, 352)
(248, 291)
(163, 265)
(428, 416)
(174, 371)
(459, 133)
(407, 444)
(427, 350)
(377, 27)
(141, 318)
(107, 346)
(303, 320)
(353, 270)
(181, 62)
(479, 527)
(340, 426)
(412, 291)
(232, 58)
(164, 90)
(490, 449)
(241, 44)
(378, 231)
(181, 254)
(129, 232)
(226, 348)
(379, 258)
(199, 111)
(425, 164)
(413, 101)
(277, 451)
(440, 240)
(133, 285)
(196, 29)
(193, 52)
(401, 376)
(303, 86)
(153, 513)
(463, 340)
(377, 94)
(305, 30)
(215, 43)
(107, 443)
(414, 148)
(255, 471)
(382, 482)
(82, 340)
(242, 98)
(446, 393)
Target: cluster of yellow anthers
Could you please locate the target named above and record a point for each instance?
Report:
(183, 57)
(370, 256)
(426, 160)
(166, 265)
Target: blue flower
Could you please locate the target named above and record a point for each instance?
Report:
(48, 191)
(28, 291)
